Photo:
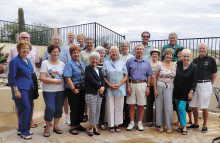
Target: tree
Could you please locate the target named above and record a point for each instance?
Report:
(21, 22)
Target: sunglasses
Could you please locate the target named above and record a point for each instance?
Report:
(146, 36)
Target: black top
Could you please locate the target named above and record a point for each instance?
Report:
(93, 81)
(206, 67)
(185, 81)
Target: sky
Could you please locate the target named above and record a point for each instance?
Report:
(188, 18)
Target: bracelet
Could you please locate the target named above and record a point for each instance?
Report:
(15, 89)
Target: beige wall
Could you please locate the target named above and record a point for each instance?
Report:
(41, 49)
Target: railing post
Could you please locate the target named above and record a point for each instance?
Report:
(95, 35)
(55, 31)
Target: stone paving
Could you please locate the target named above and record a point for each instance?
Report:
(149, 135)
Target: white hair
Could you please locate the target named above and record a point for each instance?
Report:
(100, 48)
(186, 52)
(94, 54)
(23, 33)
(172, 33)
(112, 48)
(125, 42)
(203, 44)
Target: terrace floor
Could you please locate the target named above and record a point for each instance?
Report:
(149, 135)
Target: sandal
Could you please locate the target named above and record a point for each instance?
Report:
(34, 125)
(112, 129)
(74, 131)
(117, 129)
(85, 118)
(96, 131)
(180, 129)
(26, 137)
(46, 133)
(90, 132)
(184, 132)
(58, 131)
(177, 123)
(102, 127)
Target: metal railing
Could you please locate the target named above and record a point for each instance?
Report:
(94, 30)
(39, 35)
(189, 43)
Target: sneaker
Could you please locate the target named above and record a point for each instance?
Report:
(204, 129)
(140, 127)
(67, 120)
(169, 131)
(161, 129)
(130, 127)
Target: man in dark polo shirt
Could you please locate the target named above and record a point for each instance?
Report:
(139, 72)
(207, 73)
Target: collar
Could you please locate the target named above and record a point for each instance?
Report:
(203, 57)
(142, 59)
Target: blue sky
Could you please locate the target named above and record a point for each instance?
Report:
(188, 18)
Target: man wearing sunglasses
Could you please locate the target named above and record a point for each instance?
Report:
(147, 47)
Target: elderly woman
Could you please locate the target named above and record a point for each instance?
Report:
(115, 75)
(94, 91)
(51, 74)
(81, 41)
(124, 45)
(155, 53)
(20, 80)
(101, 51)
(173, 44)
(163, 90)
(185, 84)
(74, 74)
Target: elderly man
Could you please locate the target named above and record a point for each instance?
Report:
(207, 73)
(139, 72)
(33, 56)
(64, 57)
(147, 47)
(71, 37)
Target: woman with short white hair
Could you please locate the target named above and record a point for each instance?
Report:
(115, 75)
(94, 91)
(101, 51)
(124, 45)
(185, 84)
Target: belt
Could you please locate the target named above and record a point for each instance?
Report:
(137, 81)
(202, 81)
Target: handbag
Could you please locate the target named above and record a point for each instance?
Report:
(80, 85)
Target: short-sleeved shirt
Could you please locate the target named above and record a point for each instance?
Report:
(64, 55)
(166, 77)
(67, 46)
(205, 67)
(74, 71)
(147, 50)
(174, 48)
(84, 57)
(125, 58)
(138, 70)
(53, 72)
(114, 72)
(154, 67)
(33, 56)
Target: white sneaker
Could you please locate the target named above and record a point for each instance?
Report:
(140, 127)
(67, 120)
(44, 125)
(130, 126)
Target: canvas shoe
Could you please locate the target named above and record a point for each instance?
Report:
(130, 126)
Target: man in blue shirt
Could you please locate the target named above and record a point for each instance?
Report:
(71, 37)
(139, 72)
(147, 47)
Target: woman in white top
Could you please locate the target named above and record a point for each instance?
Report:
(125, 53)
(51, 74)
(163, 90)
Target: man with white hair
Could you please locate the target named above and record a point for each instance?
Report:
(207, 73)
(33, 56)
(71, 38)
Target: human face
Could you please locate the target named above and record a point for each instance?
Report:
(124, 48)
(145, 37)
(24, 51)
(106, 50)
(202, 51)
(139, 51)
(57, 40)
(25, 36)
(179, 55)
(89, 44)
(75, 55)
(55, 53)
(94, 61)
(173, 40)
(168, 57)
(80, 40)
(114, 54)
(155, 56)
(186, 58)
(102, 55)
(71, 37)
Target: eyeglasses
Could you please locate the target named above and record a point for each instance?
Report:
(146, 36)
(25, 37)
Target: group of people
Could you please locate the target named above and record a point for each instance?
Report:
(111, 85)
